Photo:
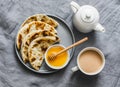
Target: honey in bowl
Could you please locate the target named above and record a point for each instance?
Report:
(60, 61)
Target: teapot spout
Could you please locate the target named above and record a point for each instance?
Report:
(99, 27)
(74, 6)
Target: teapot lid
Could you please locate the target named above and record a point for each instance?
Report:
(89, 13)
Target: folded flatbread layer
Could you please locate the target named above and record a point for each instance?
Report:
(37, 49)
(29, 38)
(32, 26)
(40, 17)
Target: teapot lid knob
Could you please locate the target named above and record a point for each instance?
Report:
(89, 14)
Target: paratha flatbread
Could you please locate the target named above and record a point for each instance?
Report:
(32, 26)
(29, 38)
(41, 17)
(37, 49)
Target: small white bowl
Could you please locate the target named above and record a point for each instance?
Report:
(53, 67)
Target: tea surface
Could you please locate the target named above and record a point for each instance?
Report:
(90, 61)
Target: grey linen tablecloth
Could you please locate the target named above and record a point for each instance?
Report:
(14, 74)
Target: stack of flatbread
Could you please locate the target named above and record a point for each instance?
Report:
(36, 34)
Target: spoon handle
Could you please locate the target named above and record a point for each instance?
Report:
(73, 45)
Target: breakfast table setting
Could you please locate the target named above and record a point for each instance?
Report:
(59, 43)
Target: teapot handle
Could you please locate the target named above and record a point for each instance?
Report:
(99, 27)
(74, 6)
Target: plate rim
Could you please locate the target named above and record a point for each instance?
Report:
(71, 55)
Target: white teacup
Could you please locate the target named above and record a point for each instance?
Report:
(78, 67)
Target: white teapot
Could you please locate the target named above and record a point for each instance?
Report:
(86, 18)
